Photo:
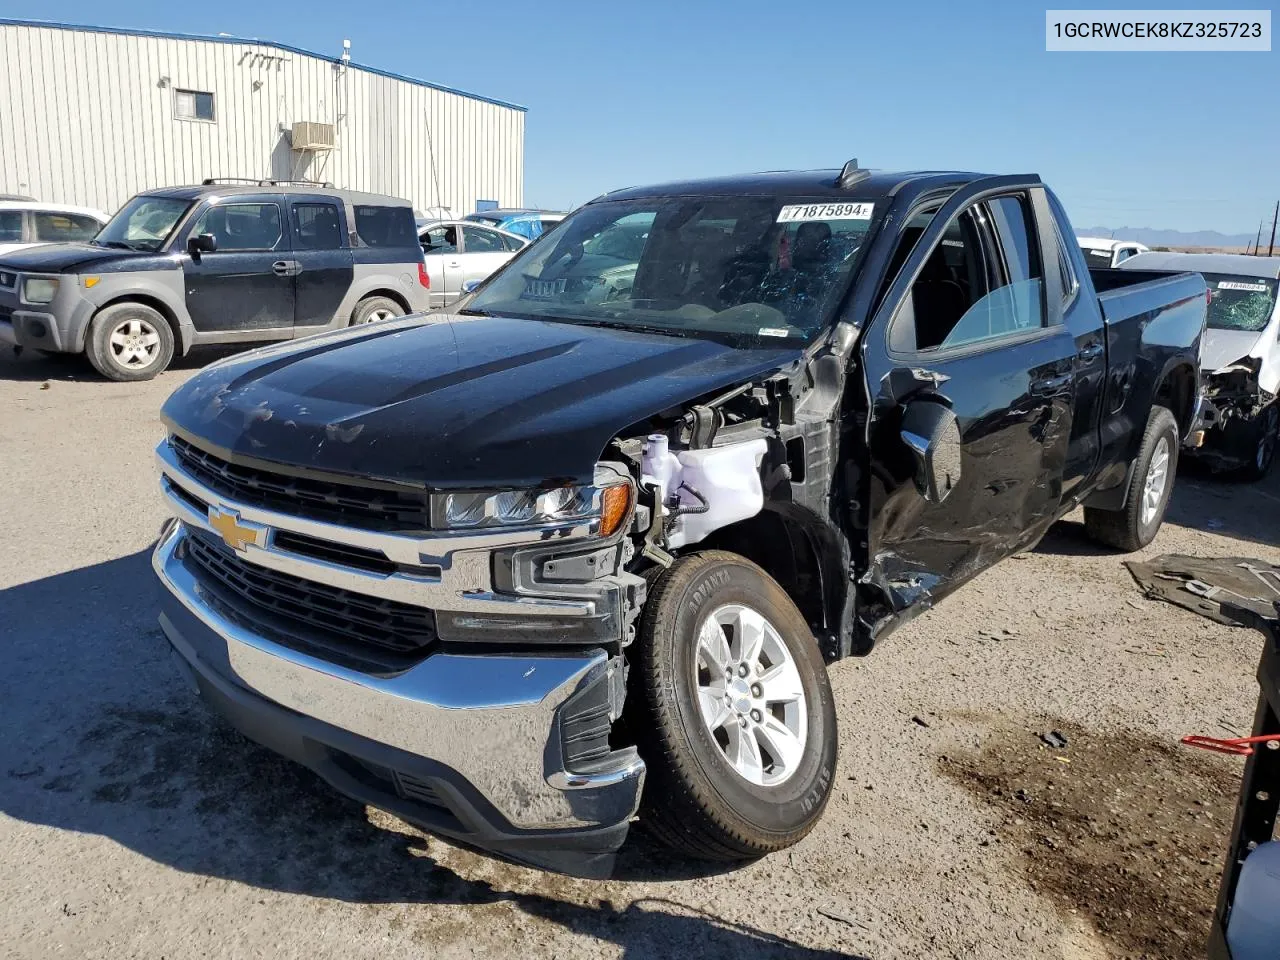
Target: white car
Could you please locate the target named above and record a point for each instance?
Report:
(24, 223)
(1239, 355)
(1101, 252)
(459, 252)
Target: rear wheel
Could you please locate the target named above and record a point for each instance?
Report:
(129, 341)
(1254, 441)
(372, 309)
(1150, 487)
(734, 715)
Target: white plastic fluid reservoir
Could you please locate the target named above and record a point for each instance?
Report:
(728, 478)
(659, 466)
(1253, 931)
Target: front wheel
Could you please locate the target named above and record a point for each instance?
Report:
(734, 716)
(1150, 487)
(129, 341)
(1254, 440)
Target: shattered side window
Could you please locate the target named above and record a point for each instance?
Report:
(1240, 303)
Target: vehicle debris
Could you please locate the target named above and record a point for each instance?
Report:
(1054, 739)
(1212, 587)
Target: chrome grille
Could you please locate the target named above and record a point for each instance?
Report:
(363, 621)
(367, 507)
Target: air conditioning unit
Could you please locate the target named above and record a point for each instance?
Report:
(312, 136)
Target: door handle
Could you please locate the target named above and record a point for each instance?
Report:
(454, 263)
(286, 268)
(1090, 352)
(1052, 384)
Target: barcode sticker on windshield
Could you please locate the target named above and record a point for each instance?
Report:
(1235, 285)
(793, 212)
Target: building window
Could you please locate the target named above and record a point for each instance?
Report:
(192, 105)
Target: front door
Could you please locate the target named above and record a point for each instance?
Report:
(972, 324)
(322, 262)
(441, 251)
(246, 284)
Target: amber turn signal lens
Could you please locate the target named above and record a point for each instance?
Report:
(615, 503)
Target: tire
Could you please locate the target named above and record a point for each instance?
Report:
(129, 341)
(695, 800)
(1135, 526)
(371, 309)
(1254, 441)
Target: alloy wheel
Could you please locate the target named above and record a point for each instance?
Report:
(750, 694)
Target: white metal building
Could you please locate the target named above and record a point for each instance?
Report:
(92, 115)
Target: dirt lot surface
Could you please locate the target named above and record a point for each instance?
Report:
(134, 825)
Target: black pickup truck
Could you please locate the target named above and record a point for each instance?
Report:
(581, 548)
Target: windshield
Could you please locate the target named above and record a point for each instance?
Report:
(144, 223)
(1240, 303)
(750, 271)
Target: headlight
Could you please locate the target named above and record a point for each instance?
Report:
(39, 289)
(509, 508)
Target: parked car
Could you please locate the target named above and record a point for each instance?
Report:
(527, 223)
(1104, 252)
(214, 263)
(459, 252)
(1240, 363)
(521, 571)
(24, 223)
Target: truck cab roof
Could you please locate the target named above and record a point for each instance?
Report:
(1238, 264)
(815, 183)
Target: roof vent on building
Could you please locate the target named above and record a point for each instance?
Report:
(306, 135)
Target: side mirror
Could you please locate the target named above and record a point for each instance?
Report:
(202, 243)
(470, 286)
(932, 434)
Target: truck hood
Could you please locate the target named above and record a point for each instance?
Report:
(60, 257)
(450, 401)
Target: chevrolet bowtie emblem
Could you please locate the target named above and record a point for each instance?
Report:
(236, 533)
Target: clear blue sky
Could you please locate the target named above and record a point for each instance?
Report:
(620, 94)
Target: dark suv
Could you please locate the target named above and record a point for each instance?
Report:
(215, 263)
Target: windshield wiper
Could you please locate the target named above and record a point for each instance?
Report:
(475, 313)
(114, 244)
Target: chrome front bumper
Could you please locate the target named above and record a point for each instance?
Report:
(486, 726)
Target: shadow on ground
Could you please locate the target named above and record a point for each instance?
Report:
(101, 737)
(33, 366)
(1213, 503)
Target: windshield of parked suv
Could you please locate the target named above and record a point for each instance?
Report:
(144, 223)
(751, 271)
(1240, 303)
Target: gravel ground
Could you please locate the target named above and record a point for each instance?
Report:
(133, 825)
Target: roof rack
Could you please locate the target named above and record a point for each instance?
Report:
(211, 181)
(850, 174)
(303, 183)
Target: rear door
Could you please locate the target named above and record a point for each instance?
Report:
(441, 251)
(321, 261)
(483, 252)
(971, 330)
(246, 284)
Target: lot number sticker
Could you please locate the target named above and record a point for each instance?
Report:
(1235, 285)
(794, 212)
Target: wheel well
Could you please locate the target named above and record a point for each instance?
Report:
(1177, 391)
(785, 547)
(390, 295)
(156, 304)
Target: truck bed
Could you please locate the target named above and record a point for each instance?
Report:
(1130, 293)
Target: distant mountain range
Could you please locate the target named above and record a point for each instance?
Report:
(1174, 238)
